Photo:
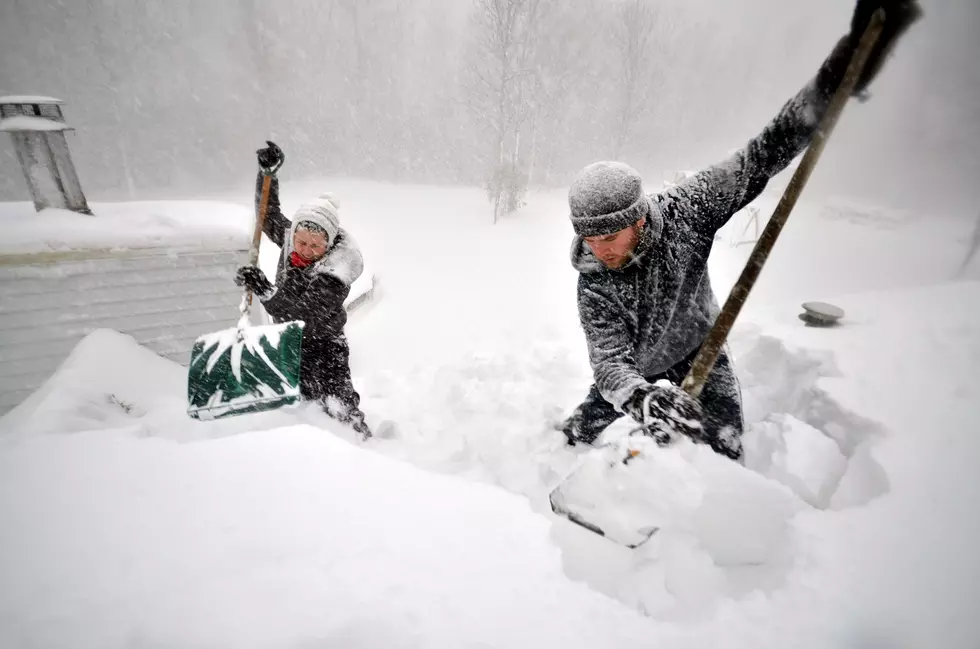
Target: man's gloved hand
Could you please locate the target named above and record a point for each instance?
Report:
(254, 280)
(666, 411)
(899, 16)
(270, 158)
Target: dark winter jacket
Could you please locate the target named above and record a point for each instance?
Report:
(651, 314)
(314, 294)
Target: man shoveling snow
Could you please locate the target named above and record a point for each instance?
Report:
(644, 296)
(318, 262)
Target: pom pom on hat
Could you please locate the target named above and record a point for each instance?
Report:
(330, 198)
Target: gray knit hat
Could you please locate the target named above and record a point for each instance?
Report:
(606, 197)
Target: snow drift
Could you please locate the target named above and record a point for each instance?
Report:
(288, 537)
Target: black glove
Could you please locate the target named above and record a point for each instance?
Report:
(899, 16)
(255, 280)
(665, 410)
(271, 158)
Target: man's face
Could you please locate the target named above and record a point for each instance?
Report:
(614, 250)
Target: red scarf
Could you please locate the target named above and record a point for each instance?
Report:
(298, 261)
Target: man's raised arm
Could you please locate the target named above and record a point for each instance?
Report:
(718, 192)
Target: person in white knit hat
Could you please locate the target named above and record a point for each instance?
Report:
(318, 262)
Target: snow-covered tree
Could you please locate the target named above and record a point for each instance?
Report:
(500, 81)
(637, 25)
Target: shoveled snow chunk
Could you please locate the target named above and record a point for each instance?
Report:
(797, 455)
(738, 516)
(863, 481)
(690, 573)
(744, 518)
(657, 489)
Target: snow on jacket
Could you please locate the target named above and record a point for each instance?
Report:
(649, 315)
(314, 294)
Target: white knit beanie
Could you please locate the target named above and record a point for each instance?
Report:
(324, 212)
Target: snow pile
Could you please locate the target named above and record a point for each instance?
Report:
(797, 455)
(288, 537)
(107, 381)
(737, 516)
(143, 224)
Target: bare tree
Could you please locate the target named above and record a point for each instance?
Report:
(637, 24)
(500, 88)
(564, 63)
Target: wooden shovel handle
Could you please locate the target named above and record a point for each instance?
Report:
(253, 251)
(704, 362)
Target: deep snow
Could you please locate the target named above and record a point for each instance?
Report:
(853, 524)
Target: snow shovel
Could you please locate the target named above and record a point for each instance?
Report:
(246, 369)
(611, 467)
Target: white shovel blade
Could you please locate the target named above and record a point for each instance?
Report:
(626, 503)
(601, 522)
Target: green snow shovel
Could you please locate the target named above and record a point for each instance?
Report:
(246, 369)
(597, 494)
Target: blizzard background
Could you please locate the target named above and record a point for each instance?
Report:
(854, 522)
(170, 97)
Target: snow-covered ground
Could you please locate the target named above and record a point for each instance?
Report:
(853, 523)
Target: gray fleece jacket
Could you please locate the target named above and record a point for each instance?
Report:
(651, 314)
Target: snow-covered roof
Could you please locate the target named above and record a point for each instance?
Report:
(29, 99)
(125, 225)
(32, 123)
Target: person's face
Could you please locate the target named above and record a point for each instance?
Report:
(310, 245)
(614, 250)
